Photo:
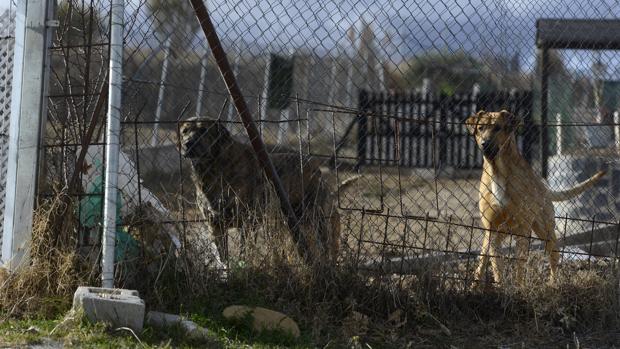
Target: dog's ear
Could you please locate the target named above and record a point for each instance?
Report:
(473, 120)
(219, 133)
(179, 135)
(223, 132)
(215, 127)
(512, 120)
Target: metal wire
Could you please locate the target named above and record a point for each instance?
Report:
(374, 90)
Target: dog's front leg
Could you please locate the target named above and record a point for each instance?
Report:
(497, 261)
(490, 252)
(483, 264)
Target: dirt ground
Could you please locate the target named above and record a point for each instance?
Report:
(392, 212)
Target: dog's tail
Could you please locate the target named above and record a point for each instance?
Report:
(567, 194)
(346, 183)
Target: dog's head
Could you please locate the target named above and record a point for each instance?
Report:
(203, 138)
(492, 130)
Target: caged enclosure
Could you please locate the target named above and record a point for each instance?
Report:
(362, 108)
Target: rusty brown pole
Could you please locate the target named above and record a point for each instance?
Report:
(242, 108)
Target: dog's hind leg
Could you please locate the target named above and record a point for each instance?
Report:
(546, 232)
(554, 255)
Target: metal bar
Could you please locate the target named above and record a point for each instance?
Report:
(385, 237)
(65, 47)
(68, 145)
(404, 247)
(617, 130)
(544, 110)
(360, 239)
(375, 135)
(469, 253)
(343, 140)
(113, 142)
(362, 128)
(204, 63)
(137, 145)
(174, 122)
(236, 68)
(244, 113)
(73, 95)
(162, 91)
(529, 129)
(558, 135)
(86, 100)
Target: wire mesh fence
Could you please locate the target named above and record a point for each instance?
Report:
(7, 44)
(363, 108)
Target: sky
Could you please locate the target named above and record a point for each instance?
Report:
(497, 27)
(5, 4)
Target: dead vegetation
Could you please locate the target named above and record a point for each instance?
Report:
(339, 307)
(44, 285)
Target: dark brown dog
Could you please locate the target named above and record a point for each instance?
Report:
(231, 188)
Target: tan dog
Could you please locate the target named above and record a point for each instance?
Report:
(232, 190)
(513, 199)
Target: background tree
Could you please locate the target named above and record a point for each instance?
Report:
(174, 26)
(448, 72)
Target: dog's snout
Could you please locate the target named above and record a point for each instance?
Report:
(189, 148)
(486, 145)
(489, 149)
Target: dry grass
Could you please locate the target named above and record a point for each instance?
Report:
(44, 287)
(428, 308)
(337, 307)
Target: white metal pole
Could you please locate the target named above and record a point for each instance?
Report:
(558, 134)
(263, 112)
(28, 113)
(231, 106)
(350, 82)
(380, 73)
(333, 76)
(203, 77)
(162, 90)
(333, 86)
(351, 60)
(367, 67)
(112, 143)
(617, 130)
(475, 92)
(284, 124)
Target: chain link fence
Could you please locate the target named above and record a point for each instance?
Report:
(7, 43)
(363, 107)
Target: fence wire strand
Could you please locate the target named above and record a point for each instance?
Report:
(374, 92)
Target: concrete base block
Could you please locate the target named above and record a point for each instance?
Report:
(119, 307)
